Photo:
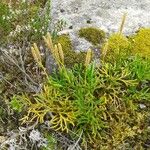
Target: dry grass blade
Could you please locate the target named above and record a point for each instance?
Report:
(76, 145)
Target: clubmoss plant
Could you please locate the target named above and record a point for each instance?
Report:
(53, 103)
(95, 101)
(122, 23)
(100, 103)
(56, 50)
(140, 68)
(93, 35)
(88, 57)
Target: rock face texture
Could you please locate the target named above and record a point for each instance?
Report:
(104, 14)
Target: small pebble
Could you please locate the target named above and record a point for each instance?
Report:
(62, 10)
(88, 21)
(142, 106)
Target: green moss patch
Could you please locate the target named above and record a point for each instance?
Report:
(118, 46)
(71, 57)
(93, 35)
(141, 42)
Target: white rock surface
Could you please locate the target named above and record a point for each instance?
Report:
(104, 14)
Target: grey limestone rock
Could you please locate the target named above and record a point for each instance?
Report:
(104, 14)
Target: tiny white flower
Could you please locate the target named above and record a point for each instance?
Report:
(11, 34)
(18, 28)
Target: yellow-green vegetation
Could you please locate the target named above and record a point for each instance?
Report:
(71, 57)
(50, 100)
(94, 107)
(65, 42)
(97, 102)
(5, 26)
(56, 50)
(141, 42)
(116, 47)
(94, 35)
(100, 103)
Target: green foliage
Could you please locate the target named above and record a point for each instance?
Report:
(114, 82)
(140, 95)
(65, 41)
(86, 103)
(3, 113)
(100, 102)
(71, 57)
(51, 101)
(40, 24)
(117, 47)
(140, 68)
(141, 42)
(93, 35)
(17, 104)
(59, 26)
(97, 101)
(23, 20)
(5, 26)
(52, 142)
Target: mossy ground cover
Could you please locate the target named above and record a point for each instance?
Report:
(81, 105)
(93, 35)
